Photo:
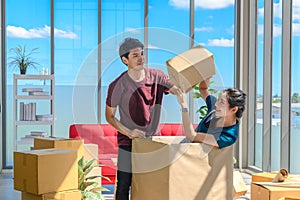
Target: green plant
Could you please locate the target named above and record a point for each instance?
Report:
(90, 190)
(22, 59)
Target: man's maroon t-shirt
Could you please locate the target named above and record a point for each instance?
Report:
(139, 103)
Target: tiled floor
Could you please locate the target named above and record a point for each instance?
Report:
(8, 193)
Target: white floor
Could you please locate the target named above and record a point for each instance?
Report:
(8, 193)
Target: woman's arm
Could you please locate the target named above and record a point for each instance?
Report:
(189, 128)
(203, 88)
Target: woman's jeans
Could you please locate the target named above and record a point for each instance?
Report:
(124, 174)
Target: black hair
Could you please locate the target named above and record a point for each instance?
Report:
(236, 97)
(127, 45)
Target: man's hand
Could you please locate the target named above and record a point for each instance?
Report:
(136, 133)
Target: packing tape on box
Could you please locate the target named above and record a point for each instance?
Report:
(280, 176)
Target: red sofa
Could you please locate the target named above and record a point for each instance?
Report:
(106, 137)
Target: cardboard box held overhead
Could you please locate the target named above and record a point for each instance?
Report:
(163, 168)
(45, 171)
(191, 67)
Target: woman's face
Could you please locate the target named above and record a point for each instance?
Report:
(222, 107)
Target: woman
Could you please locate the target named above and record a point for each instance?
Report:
(221, 125)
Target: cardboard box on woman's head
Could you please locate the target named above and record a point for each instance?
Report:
(191, 67)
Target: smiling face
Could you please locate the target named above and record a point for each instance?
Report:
(135, 59)
(223, 108)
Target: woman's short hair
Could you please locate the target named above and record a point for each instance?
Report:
(236, 97)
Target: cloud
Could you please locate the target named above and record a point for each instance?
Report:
(277, 9)
(296, 29)
(211, 4)
(203, 29)
(20, 32)
(221, 42)
(150, 46)
(132, 30)
(277, 30)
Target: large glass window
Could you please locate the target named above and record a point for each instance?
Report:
(259, 86)
(173, 25)
(75, 61)
(119, 19)
(216, 33)
(295, 91)
(27, 25)
(276, 86)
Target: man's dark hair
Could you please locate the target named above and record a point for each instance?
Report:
(127, 45)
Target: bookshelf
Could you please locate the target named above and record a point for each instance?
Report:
(33, 96)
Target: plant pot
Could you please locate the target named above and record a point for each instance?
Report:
(22, 71)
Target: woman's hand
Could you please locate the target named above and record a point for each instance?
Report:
(204, 84)
(181, 98)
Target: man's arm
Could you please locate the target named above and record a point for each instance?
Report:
(114, 122)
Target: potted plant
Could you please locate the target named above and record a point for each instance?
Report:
(90, 190)
(22, 59)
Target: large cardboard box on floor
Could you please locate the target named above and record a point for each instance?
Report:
(64, 195)
(45, 171)
(191, 67)
(60, 143)
(163, 168)
(263, 188)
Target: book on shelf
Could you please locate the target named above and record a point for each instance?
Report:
(33, 111)
(44, 117)
(21, 117)
(32, 89)
(38, 133)
(38, 93)
(27, 111)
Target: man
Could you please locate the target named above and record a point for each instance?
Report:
(138, 94)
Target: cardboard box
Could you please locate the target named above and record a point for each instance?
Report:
(96, 171)
(191, 67)
(91, 152)
(64, 195)
(269, 176)
(165, 169)
(45, 171)
(239, 186)
(60, 143)
(274, 191)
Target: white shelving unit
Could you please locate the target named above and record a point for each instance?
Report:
(18, 97)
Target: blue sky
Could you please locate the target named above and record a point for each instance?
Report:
(76, 27)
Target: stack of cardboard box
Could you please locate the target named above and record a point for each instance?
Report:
(50, 170)
(262, 187)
